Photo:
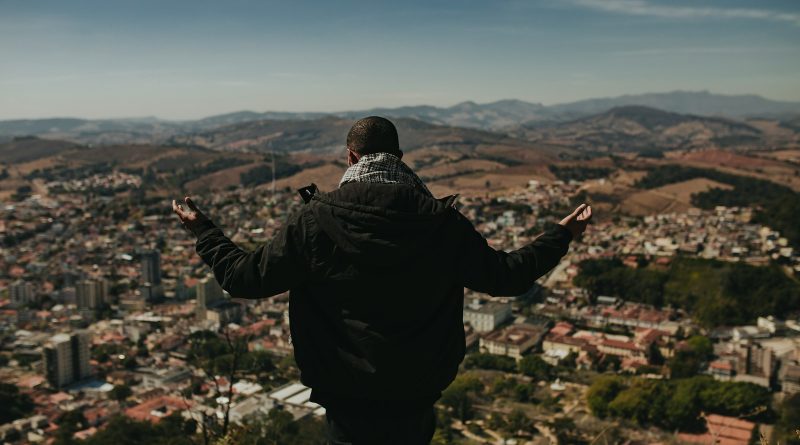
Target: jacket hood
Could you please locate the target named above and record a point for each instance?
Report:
(385, 223)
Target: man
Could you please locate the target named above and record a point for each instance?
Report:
(376, 272)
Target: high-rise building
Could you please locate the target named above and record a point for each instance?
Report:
(21, 292)
(151, 288)
(209, 293)
(151, 267)
(66, 358)
(91, 293)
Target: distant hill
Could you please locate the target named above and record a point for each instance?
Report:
(639, 128)
(24, 149)
(494, 116)
(489, 116)
(328, 134)
(701, 103)
(98, 131)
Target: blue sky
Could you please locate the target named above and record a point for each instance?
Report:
(189, 59)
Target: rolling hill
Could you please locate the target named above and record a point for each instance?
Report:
(494, 116)
(639, 128)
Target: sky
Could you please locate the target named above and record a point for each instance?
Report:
(191, 59)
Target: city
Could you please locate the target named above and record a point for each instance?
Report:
(105, 319)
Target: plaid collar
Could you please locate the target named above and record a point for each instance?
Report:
(383, 168)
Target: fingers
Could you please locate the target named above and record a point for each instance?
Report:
(177, 208)
(586, 214)
(190, 203)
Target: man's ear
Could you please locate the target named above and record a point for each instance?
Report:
(352, 157)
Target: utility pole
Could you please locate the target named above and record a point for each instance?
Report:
(272, 151)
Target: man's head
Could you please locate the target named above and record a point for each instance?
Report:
(372, 134)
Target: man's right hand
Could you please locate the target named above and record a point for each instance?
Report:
(576, 221)
(192, 218)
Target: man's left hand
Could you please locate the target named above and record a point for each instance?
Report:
(192, 218)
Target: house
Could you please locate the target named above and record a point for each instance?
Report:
(512, 341)
(722, 430)
(486, 317)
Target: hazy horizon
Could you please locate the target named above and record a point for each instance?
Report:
(187, 60)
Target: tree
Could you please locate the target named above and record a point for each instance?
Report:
(687, 362)
(602, 392)
(68, 424)
(490, 361)
(13, 404)
(788, 421)
(534, 366)
(122, 430)
(517, 421)
(457, 395)
(642, 402)
(683, 409)
(120, 392)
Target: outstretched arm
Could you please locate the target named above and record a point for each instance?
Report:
(270, 269)
(495, 272)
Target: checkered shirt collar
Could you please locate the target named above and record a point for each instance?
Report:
(383, 168)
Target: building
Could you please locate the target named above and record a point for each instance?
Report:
(209, 294)
(486, 317)
(155, 409)
(225, 312)
(66, 358)
(21, 293)
(755, 364)
(722, 430)
(512, 341)
(89, 294)
(151, 267)
(790, 378)
(162, 378)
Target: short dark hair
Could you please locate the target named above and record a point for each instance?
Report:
(373, 134)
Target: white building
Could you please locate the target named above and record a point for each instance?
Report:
(66, 358)
(488, 316)
(209, 293)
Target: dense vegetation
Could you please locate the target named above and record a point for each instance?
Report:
(714, 292)
(530, 365)
(278, 427)
(788, 421)
(676, 404)
(778, 206)
(13, 404)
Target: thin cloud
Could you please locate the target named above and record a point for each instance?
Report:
(644, 8)
(701, 50)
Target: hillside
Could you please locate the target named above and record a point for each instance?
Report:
(639, 128)
(25, 149)
(499, 116)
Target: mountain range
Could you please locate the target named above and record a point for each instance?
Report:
(500, 116)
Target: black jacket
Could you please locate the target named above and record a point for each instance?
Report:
(376, 274)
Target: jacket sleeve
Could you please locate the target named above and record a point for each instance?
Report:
(270, 269)
(495, 272)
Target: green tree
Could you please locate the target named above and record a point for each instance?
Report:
(788, 421)
(122, 430)
(490, 361)
(13, 404)
(602, 392)
(534, 366)
(457, 395)
(120, 392)
(517, 421)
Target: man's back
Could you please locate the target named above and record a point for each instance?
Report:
(376, 274)
(376, 271)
